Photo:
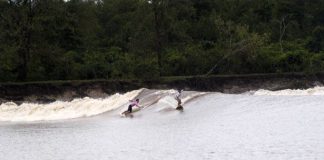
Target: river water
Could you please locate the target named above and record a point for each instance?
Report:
(257, 125)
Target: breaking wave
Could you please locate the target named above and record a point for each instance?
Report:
(319, 90)
(85, 107)
(151, 100)
(82, 107)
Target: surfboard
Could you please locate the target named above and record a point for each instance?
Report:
(130, 115)
(127, 114)
(180, 108)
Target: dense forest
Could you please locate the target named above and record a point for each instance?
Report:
(122, 39)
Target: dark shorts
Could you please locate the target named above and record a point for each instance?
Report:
(130, 109)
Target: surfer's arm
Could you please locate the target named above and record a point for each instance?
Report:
(139, 106)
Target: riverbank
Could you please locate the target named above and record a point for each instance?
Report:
(45, 92)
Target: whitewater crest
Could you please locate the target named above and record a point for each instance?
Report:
(150, 100)
(85, 107)
(81, 107)
(318, 90)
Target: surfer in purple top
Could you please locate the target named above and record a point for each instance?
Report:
(133, 103)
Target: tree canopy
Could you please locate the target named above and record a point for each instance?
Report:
(112, 39)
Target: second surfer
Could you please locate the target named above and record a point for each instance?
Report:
(177, 97)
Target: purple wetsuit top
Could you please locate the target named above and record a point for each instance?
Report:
(134, 103)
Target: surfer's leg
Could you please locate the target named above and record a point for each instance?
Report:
(129, 109)
(179, 101)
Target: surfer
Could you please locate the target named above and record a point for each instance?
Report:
(131, 105)
(177, 97)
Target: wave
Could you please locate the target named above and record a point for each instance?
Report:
(150, 100)
(85, 107)
(319, 90)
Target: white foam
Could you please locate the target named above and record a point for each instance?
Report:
(311, 91)
(58, 110)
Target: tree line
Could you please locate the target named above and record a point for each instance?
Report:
(113, 39)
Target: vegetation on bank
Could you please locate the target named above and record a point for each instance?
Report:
(175, 79)
(129, 39)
